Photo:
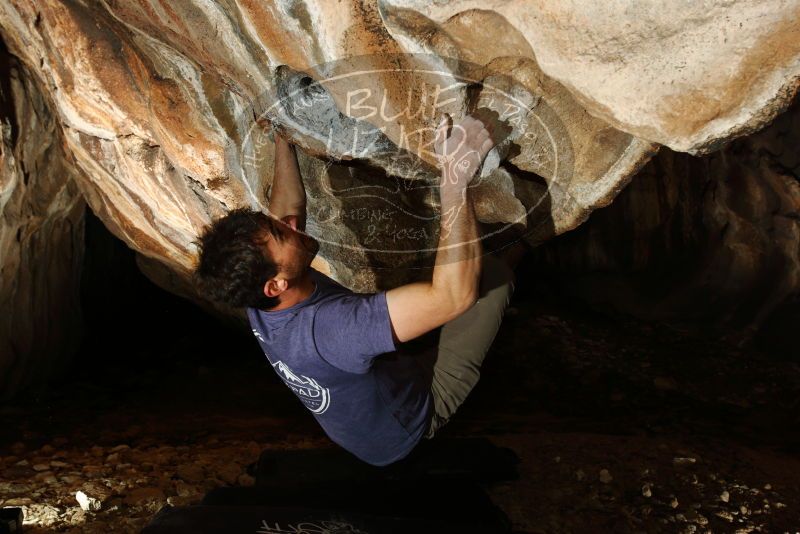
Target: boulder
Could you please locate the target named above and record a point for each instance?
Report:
(166, 109)
(159, 116)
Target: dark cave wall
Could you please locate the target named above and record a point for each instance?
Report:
(41, 237)
(704, 241)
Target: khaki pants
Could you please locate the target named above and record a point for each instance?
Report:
(457, 349)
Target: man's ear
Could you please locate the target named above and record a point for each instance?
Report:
(275, 286)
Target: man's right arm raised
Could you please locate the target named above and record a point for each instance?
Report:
(419, 307)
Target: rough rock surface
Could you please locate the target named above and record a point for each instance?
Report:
(158, 103)
(682, 73)
(41, 237)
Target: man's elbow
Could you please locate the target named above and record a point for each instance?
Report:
(450, 302)
(465, 302)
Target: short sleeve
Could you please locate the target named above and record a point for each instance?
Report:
(350, 331)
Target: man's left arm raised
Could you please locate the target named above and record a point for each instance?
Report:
(287, 199)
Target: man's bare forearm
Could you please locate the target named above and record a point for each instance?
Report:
(287, 196)
(458, 259)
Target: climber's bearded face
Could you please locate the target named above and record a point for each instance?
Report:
(291, 249)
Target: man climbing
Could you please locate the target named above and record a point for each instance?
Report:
(344, 354)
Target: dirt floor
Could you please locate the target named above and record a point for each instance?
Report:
(621, 426)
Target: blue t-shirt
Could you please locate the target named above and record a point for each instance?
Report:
(335, 351)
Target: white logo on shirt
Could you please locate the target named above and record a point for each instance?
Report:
(315, 397)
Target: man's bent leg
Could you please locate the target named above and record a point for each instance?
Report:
(464, 341)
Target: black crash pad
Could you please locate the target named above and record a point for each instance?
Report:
(434, 500)
(202, 519)
(329, 491)
(465, 459)
(10, 520)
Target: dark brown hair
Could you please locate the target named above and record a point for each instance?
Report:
(234, 265)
